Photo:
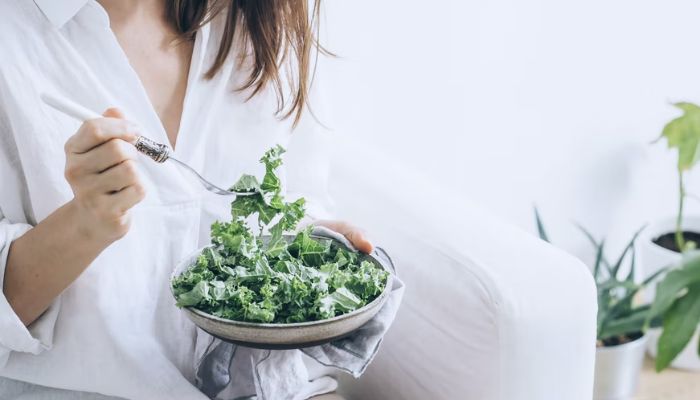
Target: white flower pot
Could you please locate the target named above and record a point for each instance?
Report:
(652, 258)
(617, 370)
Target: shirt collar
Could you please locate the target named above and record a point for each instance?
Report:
(60, 11)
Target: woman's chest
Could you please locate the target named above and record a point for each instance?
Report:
(161, 60)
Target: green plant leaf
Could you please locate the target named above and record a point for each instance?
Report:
(633, 262)
(680, 323)
(675, 281)
(276, 245)
(246, 183)
(540, 227)
(683, 133)
(622, 307)
(310, 250)
(259, 313)
(614, 284)
(600, 253)
(631, 323)
(597, 245)
(653, 276)
(341, 300)
(198, 294)
(630, 246)
(588, 235)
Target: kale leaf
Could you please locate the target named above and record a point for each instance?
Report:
(268, 278)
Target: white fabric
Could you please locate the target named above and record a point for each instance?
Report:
(490, 312)
(115, 330)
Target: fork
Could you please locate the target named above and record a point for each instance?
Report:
(158, 152)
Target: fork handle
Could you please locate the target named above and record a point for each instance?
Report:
(69, 107)
(158, 152)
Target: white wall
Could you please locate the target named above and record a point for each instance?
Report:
(510, 102)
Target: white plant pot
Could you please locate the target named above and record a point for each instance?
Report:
(652, 258)
(617, 370)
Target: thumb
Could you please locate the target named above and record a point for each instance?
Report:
(132, 130)
(114, 112)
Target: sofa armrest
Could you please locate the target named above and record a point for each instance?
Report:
(490, 312)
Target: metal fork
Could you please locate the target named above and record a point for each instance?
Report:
(158, 152)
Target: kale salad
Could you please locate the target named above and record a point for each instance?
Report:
(272, 278)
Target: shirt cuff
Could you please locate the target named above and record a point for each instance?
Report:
(14, 336)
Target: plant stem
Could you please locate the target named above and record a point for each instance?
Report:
(680, 241)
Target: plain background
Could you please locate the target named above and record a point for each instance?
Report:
(508, 103)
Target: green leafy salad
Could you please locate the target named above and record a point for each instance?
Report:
(271, 278)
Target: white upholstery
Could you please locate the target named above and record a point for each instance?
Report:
(490, 312)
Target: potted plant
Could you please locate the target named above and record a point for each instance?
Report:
(667, 240)
(622, 322)
(678, 302)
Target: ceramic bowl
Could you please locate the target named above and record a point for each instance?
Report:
(291, 335)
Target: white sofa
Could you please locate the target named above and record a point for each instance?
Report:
(490, 311)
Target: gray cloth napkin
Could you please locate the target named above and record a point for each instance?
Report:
(227, 371)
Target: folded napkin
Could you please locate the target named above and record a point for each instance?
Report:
(227, 371)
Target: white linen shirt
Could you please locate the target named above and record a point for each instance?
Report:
(115, 331)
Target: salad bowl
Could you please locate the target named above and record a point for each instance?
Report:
(287, 335)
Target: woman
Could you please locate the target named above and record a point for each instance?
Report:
(90, 230)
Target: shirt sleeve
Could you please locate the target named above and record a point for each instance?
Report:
(308, 157)
(15, 217)
(14, 336)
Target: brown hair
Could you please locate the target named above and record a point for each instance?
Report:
(274, 33)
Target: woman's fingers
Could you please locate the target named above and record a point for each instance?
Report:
(114, 112)
(107, 155)
(117, 177)
(97, 131)
(359, 240)
(128, 197)
(355, 235)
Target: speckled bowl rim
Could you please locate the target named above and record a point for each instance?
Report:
(277, 326)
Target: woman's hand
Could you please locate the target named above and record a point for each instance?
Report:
(354, 234)
(101, 170)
